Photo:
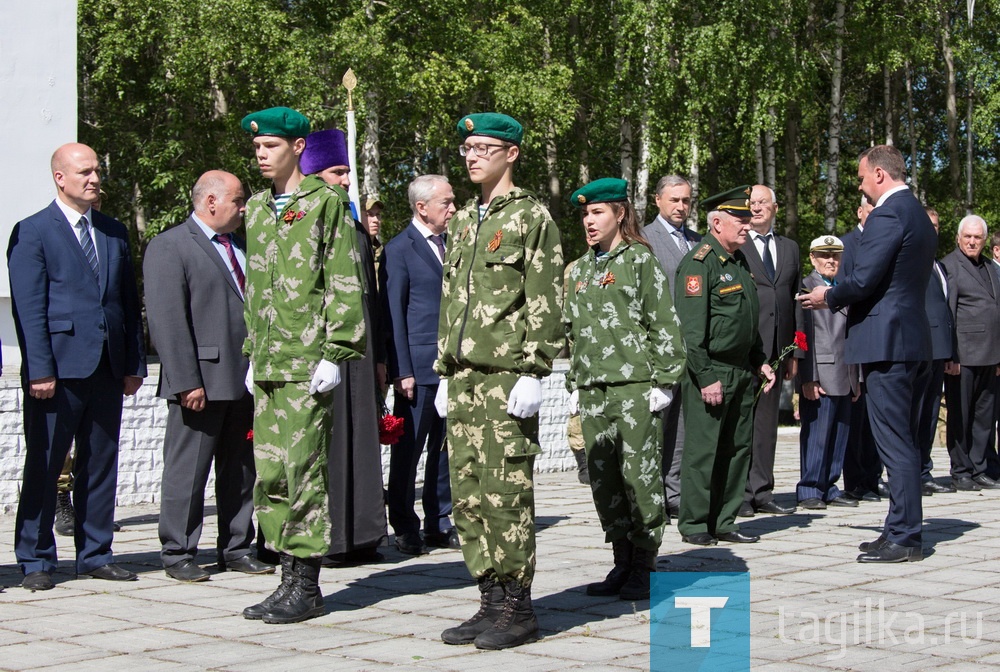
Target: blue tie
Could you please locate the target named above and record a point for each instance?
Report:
(87, 243)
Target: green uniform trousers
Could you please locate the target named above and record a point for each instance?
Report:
(291, 436)
(716, 456)
(624, 456)
(491, 458)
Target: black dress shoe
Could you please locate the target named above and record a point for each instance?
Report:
(840, 500)
(985, 482)
(890, 552)
(187, 571)
(410, 544)
(862, 495)
(746, 511)
(40, 580)
(246, 564)
(699, 539)
(111, 572)
(930, 487)
(867, 546)
(737, 537)
(883, 489)
(812, 503)
(965, 484)
(775, 508)
(443, 539)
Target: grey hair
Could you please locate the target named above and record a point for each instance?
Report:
(670, 181)
(973, 219)
(422, 188)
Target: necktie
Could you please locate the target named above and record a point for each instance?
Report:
(87, 243)
(681, 241)
(439, 241)
(234, 263)
(767, 258)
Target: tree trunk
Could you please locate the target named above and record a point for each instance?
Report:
(625, 149)
(140, 211)
(642, 170)
(951, 110)
(886, 102)
(969, 147)
(833, 141)
(911, 130)
(792, 162)
(769, 171)
(552, 167)
(369, 147)
(758, 155)
(694, 177)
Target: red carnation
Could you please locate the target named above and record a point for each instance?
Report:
(800, 341)
(390, 429)
(250, 435)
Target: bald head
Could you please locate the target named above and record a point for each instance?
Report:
(76, 172)
(218, 201)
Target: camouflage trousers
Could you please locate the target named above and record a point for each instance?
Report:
(716, 457)
(491, 457)
(291, 437)
(624, 457)
(574, 434)
(65, 482)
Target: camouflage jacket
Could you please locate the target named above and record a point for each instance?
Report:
(620, 320)
(717, 303)
(303, 284)
(501, 297)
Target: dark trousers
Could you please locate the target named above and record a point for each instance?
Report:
(421, 424)
(89, 411)
(826, 424)
(760, 481)
(862, 465)
(928, 401)
(673, 449)
(893, 415)
(971, 397)
(192, 443)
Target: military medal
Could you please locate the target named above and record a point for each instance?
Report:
(495, 243)
(607, 279)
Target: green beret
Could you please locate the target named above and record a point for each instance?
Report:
(283, 122)
(604, 190)
(735, 201)
(492, 125)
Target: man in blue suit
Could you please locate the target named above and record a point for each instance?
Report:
(889, 335)
(79, 328)
(411, 279)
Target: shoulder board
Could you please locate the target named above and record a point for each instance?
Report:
(702, 252)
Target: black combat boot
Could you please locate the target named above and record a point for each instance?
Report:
(637, 585)
(491, 599)
(303, 599)
(582, 471)
(619, 574)
(65, 516)
(516, 625)
(257, 611)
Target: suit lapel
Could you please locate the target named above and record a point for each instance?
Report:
(755, 262)
(208, 247)
(423, 250)
(68, 234)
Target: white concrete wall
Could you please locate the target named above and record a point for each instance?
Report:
(145, 417)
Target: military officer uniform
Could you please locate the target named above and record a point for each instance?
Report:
(716, 300)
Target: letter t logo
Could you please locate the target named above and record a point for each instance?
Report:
(701, 617)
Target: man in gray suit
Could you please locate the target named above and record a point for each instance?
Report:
(194, 277)
(777, 270)
(970, 384)
(671, 239)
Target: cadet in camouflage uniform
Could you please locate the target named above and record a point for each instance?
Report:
(626, 353)
(304, 316)
(717, 304)
(499, 330)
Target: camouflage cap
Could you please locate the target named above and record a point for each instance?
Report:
(491, 125)
(283, 122)
(736, 202)
(604, 190)
(371, 202)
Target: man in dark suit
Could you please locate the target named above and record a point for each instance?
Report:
(777, 272)
(671, 239)
(888, 334)
(195, 276)
(971, 375)
(942, 326)
(79, 328)
(411, 277)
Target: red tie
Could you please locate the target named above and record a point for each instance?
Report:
(226, 242)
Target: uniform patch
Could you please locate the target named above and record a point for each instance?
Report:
(702, 252)
(723, 291)
(692, 285)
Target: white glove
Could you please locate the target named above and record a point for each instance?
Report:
(659, 398)
(574, 402)
(325, 377)
(441, 399)
(525, 397)
(248, 381)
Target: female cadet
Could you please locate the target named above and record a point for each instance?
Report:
(626, 352)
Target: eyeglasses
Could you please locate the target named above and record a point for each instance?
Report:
(481, 149)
